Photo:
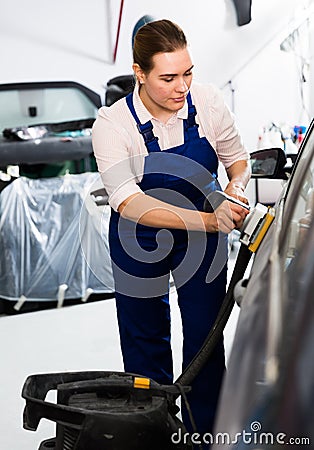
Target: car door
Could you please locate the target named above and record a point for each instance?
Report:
(268, 390)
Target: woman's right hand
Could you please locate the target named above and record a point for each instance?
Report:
(227, 217)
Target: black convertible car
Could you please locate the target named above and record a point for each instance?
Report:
(45, 128)
(49, 224)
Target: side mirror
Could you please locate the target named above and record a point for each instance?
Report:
(269, 163)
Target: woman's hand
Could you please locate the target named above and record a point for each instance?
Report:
(239, 174)
(237, 192)
(227, 217)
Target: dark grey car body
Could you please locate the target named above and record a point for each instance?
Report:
(268, 392)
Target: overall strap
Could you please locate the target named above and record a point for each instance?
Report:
(146, 129)
(190, 121)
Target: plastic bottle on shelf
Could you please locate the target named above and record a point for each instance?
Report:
(299, 131)
(289, 146)
(276, 138)
(263, 139)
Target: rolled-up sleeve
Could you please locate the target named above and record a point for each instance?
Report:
(229, 144)
(218, 124)
(119, 171)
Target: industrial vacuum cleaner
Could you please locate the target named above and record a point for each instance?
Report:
(123, 411)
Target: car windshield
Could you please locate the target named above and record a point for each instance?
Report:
(25, 107)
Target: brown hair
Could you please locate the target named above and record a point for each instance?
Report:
(160, 36)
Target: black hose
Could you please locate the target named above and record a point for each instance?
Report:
(215, 334)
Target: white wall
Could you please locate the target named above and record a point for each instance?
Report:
(74, 39)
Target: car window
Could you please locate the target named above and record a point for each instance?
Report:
(46, 105)
(302, 205)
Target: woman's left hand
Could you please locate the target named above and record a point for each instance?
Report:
(237, 192)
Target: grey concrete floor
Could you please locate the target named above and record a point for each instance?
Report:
(74, 338)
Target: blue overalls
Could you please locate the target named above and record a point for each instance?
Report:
(142, 258)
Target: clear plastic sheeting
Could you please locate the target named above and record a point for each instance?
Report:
(54, 240)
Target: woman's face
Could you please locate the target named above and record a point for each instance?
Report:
(164, 89)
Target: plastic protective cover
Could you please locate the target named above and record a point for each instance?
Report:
(54, 239)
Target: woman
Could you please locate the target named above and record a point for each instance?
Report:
(158, 152)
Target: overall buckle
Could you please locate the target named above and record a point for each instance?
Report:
(146, 130)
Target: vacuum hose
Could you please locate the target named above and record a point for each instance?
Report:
(216, 331)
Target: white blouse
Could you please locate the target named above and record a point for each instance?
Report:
(120, 150)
